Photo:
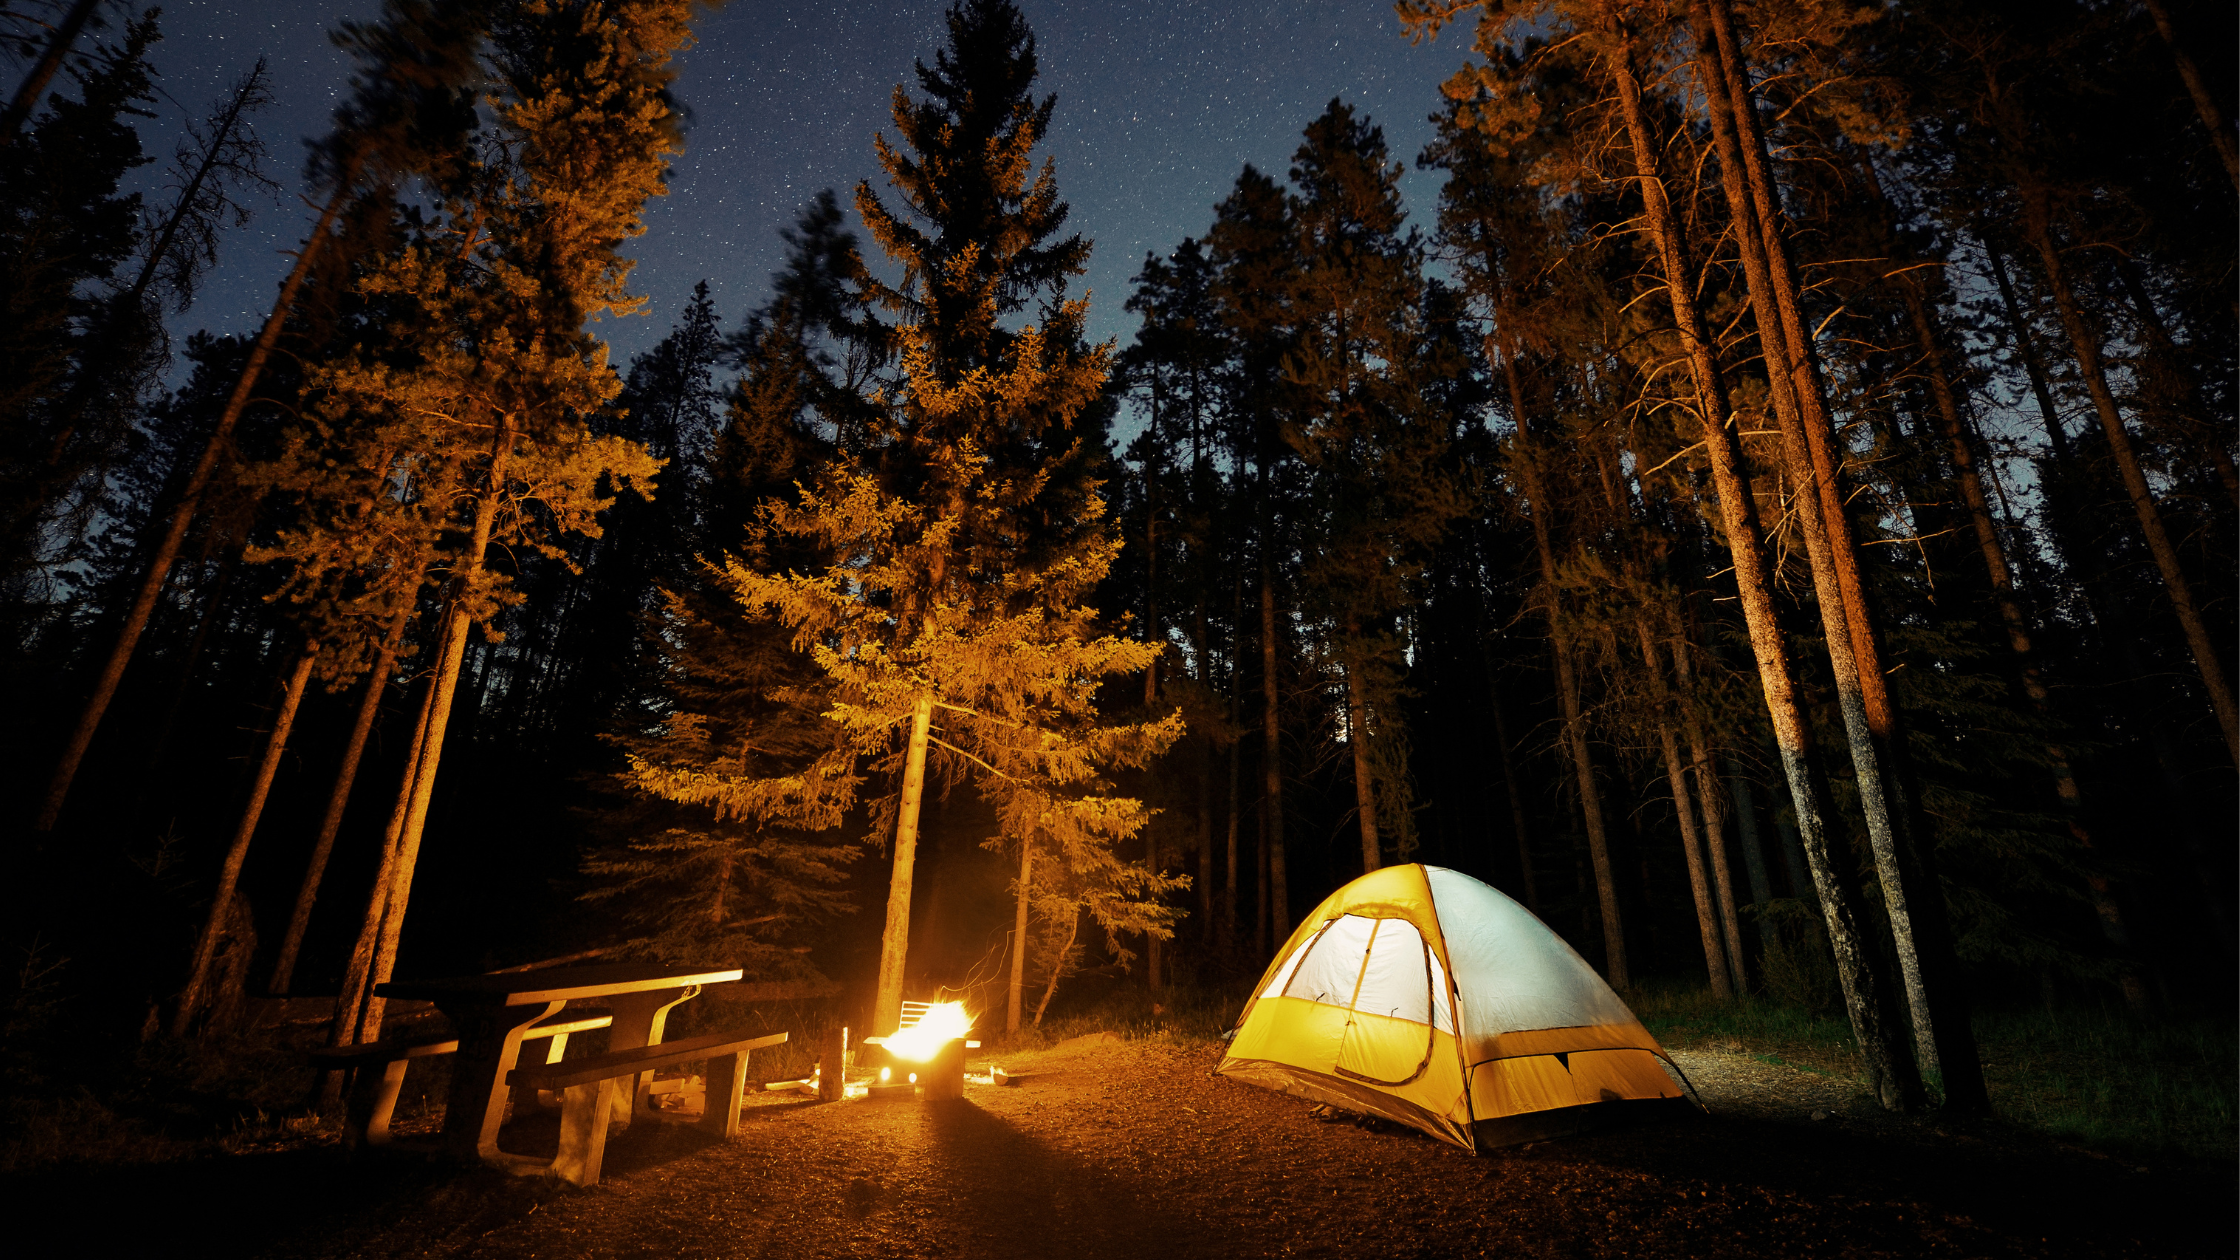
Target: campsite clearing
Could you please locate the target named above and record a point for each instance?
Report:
(1134, 1148)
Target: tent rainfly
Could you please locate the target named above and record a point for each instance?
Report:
(1420, 995)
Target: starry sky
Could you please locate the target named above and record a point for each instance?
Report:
(1160, 104)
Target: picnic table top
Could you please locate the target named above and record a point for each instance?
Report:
(556, 984)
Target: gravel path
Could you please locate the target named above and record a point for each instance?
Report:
(1733, 1083)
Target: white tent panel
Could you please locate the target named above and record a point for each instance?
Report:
(1281, 978)
(1332, 966)
(1442, 1001)
(1395, 981)
(1513, 972)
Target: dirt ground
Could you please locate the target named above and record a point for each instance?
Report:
(1133, 1149)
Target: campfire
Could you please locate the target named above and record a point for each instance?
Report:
(939, 1024)
(932, 1034)
(928, 1053)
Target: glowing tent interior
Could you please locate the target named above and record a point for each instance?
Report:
(1423, 996)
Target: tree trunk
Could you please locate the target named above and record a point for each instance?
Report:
(457, 623)
(2204, 101)
(1516, 799)
(42, 72)
(2037, 222)
(159, 565)
(1364, 773)
(122, 330)
(208, 621)
(1615, 969)
(1277, 896)
(1018, 986)
(2191, 416)
(229, 874)
(1205, 836)
(1057, 969)
(355, 1003)
(1260, 942)
(1151, 629)
(1230, 855)
(1691, 844)
(1962, 448)
(722, 894)
(1229, 924)
(1753, 855)
(1567, 690)
(1714, 826)
(1890, 1071)
(1153, 953)
(1870, 721)
(2034, 365)
(894, 941)
(299, 919)
(2106, 606)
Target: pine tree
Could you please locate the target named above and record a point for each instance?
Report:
(956, 551)
(1377, 493)
(403, 110)
(737, 708)
(66, 228)
(985, 438)
(1508, 248)
(1252, 245)
(216, 165)
(1172, 374)
(492, 295)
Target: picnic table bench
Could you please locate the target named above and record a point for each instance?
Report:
(588, 1088)
(492, 1014)
(373, 1094)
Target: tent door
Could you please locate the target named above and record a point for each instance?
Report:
(1387, 1039)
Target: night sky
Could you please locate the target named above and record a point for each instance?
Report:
(1160, 104)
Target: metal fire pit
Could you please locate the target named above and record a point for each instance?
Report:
(941, 1078)
(938, 1079)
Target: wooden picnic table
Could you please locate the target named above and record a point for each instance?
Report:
(490, 1013)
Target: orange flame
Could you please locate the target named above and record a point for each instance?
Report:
(942, 1022)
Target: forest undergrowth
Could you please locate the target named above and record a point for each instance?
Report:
(2075, 1072)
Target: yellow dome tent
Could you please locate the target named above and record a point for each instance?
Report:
(1420, 995)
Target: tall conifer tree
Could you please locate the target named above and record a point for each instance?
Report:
(957, 550)
(494, 292)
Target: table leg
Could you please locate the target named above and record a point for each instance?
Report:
(584, 1111)
(526, 1099)
(373, 1099)
(639, 1020)
(489, 1044)
(727, 1079)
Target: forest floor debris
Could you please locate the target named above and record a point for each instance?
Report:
(1133, 1148)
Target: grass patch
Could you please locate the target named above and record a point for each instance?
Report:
(2081, 1075)
(2106, 1081)
(1767, 1030)
(1177, 1014)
